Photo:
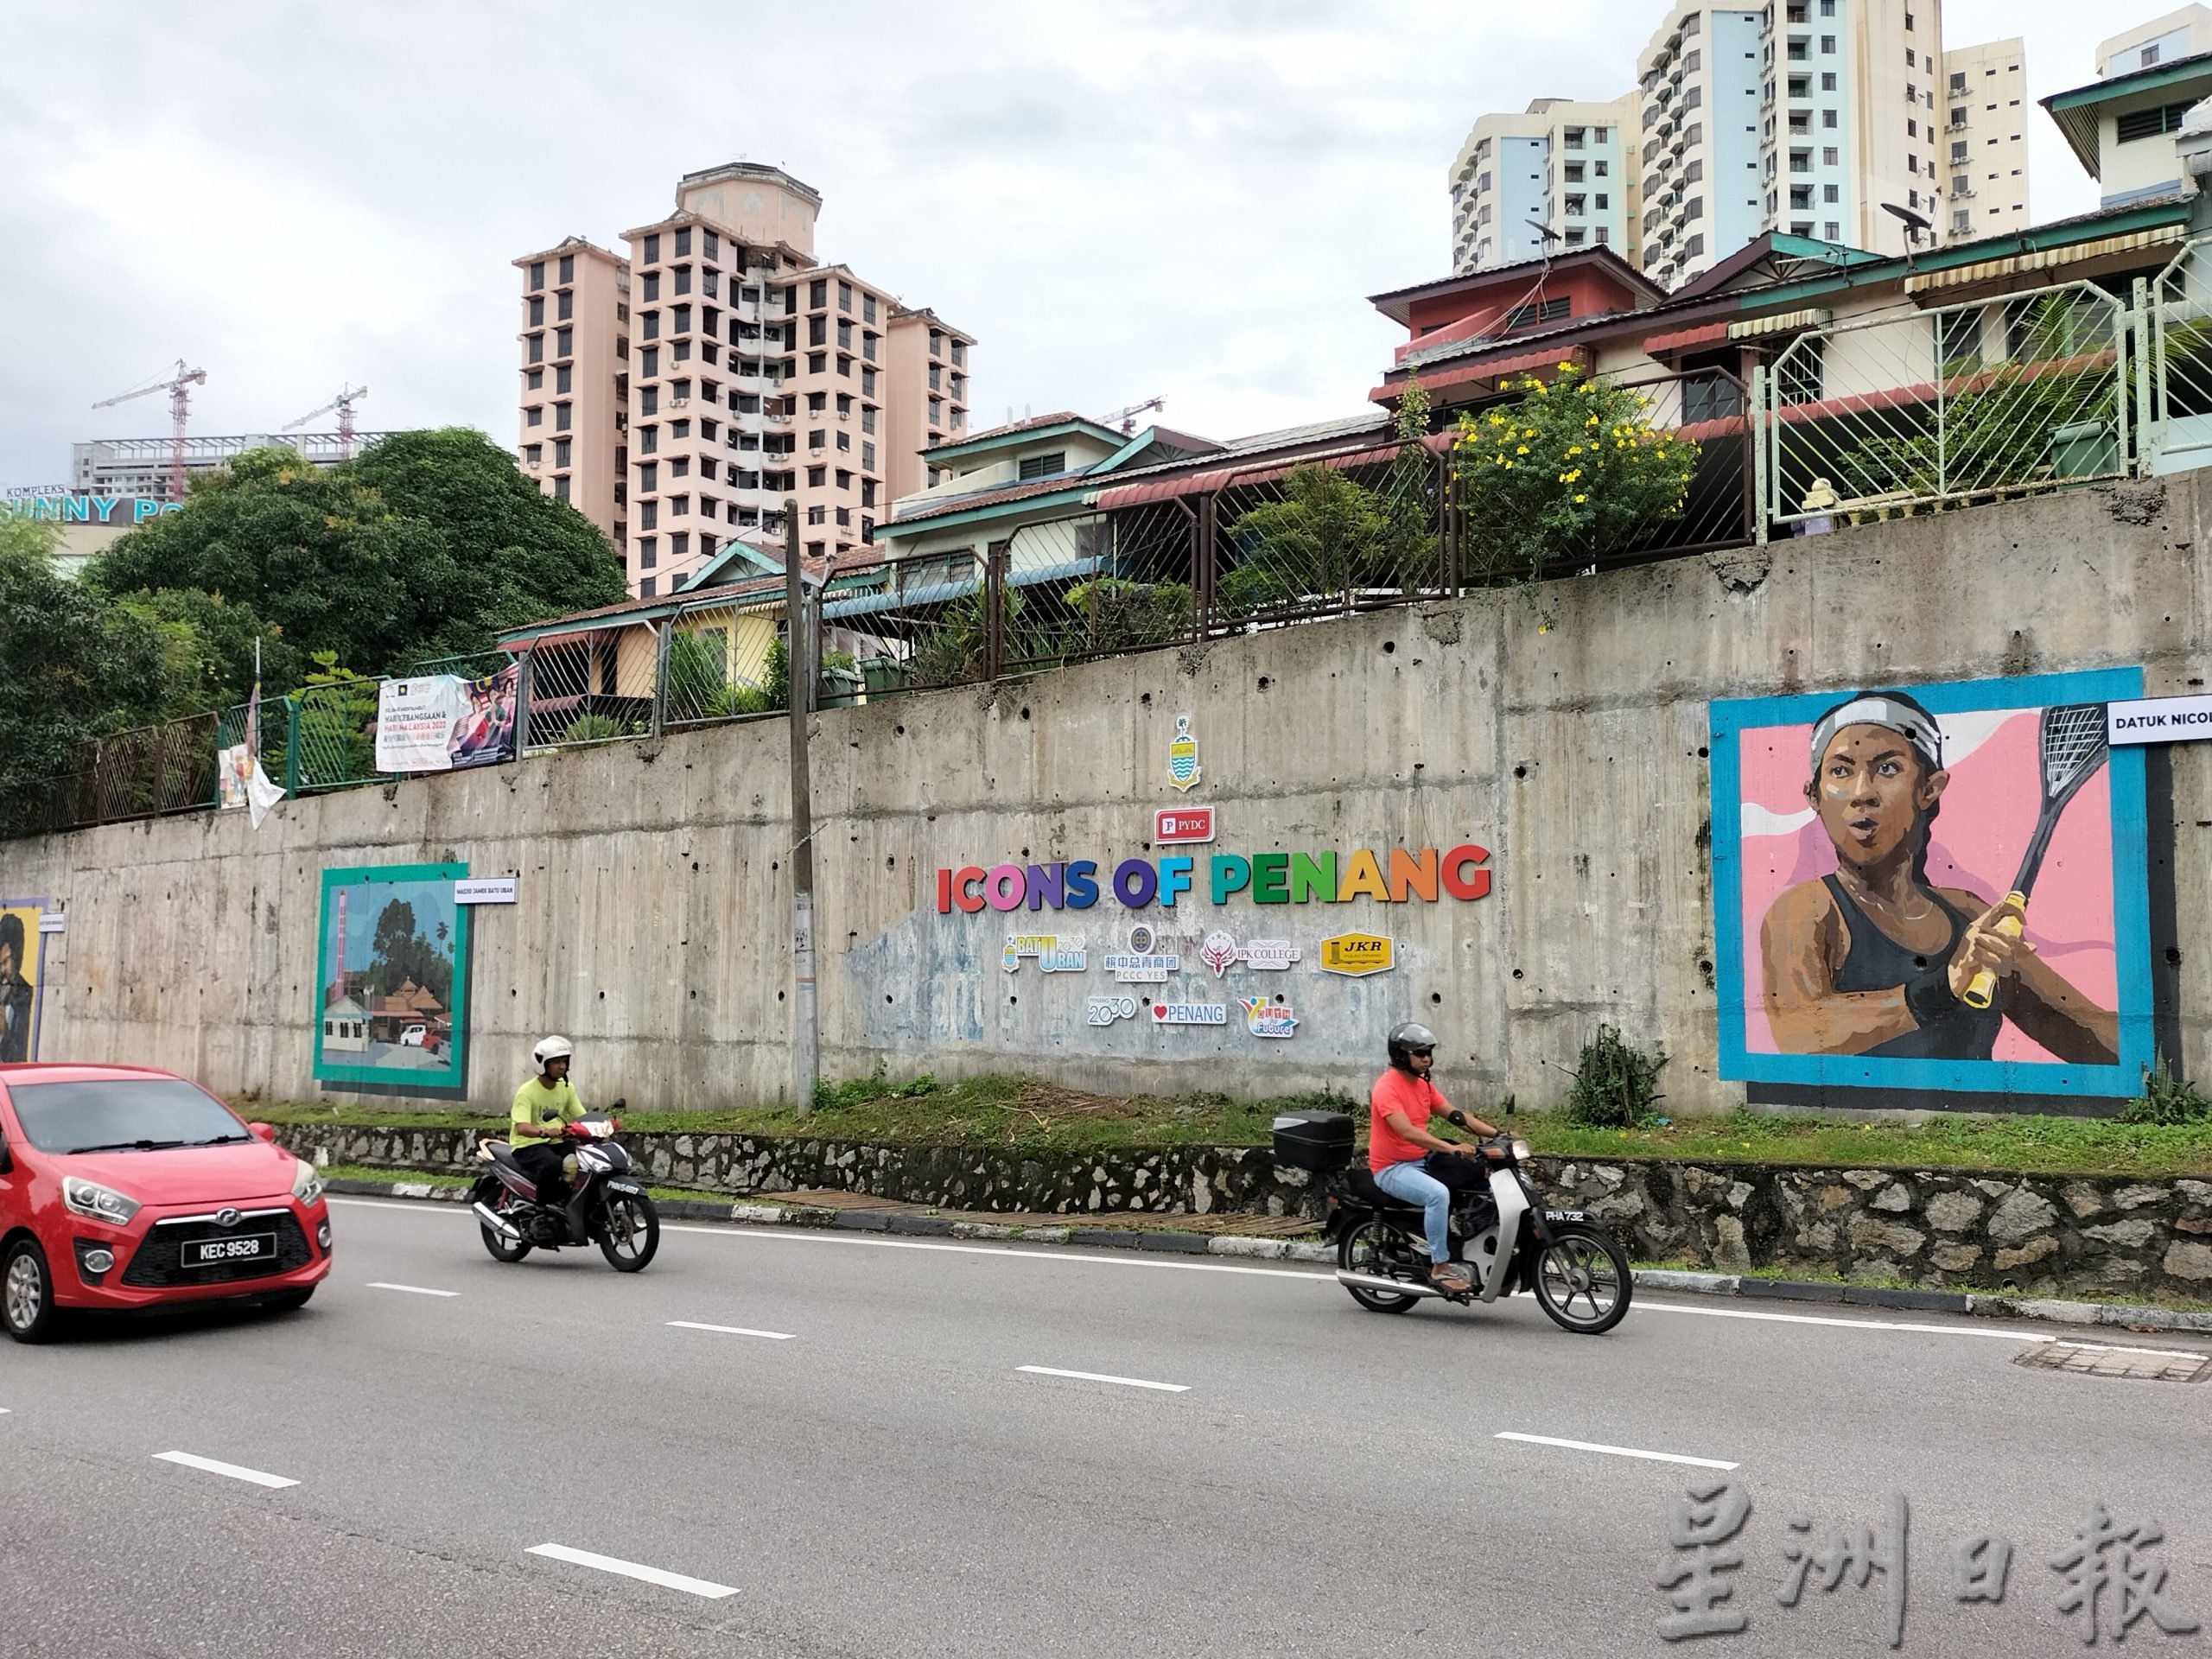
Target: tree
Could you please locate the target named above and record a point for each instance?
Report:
(77, 669)
(426, 545)
(1327, 535)
(1572, 470)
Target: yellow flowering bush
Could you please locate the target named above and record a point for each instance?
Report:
(1572, 470)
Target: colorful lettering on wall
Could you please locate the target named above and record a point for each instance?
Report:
(1266, 1019)
(73, 508)
(1182, 754)
(1052, 954)
(1398, 875)
(1356, 955)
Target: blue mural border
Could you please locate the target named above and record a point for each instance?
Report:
(1729, 718)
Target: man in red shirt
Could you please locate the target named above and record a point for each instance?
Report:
(1399, 1145)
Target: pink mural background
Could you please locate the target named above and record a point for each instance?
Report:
(1988, 815)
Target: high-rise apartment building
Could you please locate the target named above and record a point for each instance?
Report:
(1985, 140)
(575, 347)
(1810, 118)
(1699, 82)
(680, 396)
(1561, 165)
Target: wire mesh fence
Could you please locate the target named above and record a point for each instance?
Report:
(146, 772)
(917, 625)
(334, 736)
(724, 662)
(592, 687)
(2179, 394)
(1968, 403)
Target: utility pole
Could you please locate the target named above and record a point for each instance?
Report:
(798, 694)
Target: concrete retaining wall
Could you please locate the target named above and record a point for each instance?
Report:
(652, 926)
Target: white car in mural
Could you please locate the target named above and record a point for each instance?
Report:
(415, 1036)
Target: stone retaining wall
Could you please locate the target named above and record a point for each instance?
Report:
(2106, 1236)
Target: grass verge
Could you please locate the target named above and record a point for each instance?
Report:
(1026, 1115)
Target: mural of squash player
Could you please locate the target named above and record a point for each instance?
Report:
(1876, 960)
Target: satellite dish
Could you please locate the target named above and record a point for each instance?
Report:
(1915, 226)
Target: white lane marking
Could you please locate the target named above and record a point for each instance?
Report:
(1098, 1376)
(667, 1580)
(412, 1290)
(1317, 1276)
(1620, 1451)
(233, 1469)
(730, 1330)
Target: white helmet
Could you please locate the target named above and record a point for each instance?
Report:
(553, 1048)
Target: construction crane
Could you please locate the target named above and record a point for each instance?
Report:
(343, 402)
(1127, 418)
(180, 401)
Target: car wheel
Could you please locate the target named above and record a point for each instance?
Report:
(27, 1309)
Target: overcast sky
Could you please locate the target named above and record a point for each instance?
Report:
(1121, 201)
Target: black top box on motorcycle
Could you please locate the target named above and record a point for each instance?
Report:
(1314, 1141)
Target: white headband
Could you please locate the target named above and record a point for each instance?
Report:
(1886, 712)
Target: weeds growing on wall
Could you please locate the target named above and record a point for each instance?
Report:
(2167, 1099)
(1616, 1084)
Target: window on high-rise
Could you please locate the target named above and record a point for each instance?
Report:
(534, 380)
(710, 246)
(679, 320)
(682, 275)
(653, 249)
(818, 292)
(845, 296)
(817, 331)
(1831, 194)
(867, 383)
(1827, 80)
(1827, 45)
(562, 449)
(682, 242)
(533, 454)
(844, 335)
(561, 416)
(867, 308)
(534, 416)
(816, 477)
(562, 378)
(538, 313)
(1828, 153)
(537, 273)
(1827, 119)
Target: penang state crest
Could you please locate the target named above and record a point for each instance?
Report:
(1183, 755)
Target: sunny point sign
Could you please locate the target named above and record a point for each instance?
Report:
(114, 510)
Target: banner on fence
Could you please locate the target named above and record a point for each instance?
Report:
(437, 722)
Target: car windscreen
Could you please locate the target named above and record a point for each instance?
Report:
(121, 1112)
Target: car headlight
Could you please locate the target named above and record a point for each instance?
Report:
(98, 1202)
(307, 1186)
(1519, 1152)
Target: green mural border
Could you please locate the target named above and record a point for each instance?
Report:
(448, 1078)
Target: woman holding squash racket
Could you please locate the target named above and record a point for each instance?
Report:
(1873, 959)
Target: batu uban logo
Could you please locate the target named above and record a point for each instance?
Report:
(1357, 954)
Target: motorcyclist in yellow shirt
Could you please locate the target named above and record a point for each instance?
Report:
(544, 1107)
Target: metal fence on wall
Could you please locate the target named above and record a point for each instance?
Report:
(1947, 407)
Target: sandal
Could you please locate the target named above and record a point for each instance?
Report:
(1451, 1278)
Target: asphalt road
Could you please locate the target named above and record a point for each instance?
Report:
(881, 1476)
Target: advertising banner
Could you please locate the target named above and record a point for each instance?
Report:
(438, 722)
(391, 1009)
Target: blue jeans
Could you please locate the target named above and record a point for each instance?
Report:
(1409, 1183)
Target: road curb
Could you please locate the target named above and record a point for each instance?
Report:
(1242, 1247)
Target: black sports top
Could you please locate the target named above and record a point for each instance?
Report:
(1877, 962)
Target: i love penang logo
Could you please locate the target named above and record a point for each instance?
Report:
(1401, 875)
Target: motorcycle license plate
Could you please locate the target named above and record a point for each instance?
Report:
(215, 1252)
(623, 1186)
(1565, 1215)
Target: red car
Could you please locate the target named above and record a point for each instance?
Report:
(126, 1188)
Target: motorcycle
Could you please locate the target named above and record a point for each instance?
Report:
(1508, 1237)
(604, 1206)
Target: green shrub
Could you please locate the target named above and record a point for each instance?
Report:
(1616, 1084)
(858, 1091)
(593, 728)
(2166, 1099)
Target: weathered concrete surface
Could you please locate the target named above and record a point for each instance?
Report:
(652, 926)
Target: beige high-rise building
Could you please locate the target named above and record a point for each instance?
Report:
(1985, 158)
(722, 368)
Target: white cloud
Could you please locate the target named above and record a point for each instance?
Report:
(1122, 200)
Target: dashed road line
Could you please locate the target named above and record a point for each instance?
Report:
(660, 1576)
(1100, 1376)
(1620, 1451)
(730, 1330)
(412, 1290)
(235, 1471)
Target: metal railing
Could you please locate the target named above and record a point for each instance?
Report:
(1916, 410)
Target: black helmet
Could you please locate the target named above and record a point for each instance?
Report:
(1408, 1038)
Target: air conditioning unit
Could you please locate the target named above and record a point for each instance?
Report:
(679, 403)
